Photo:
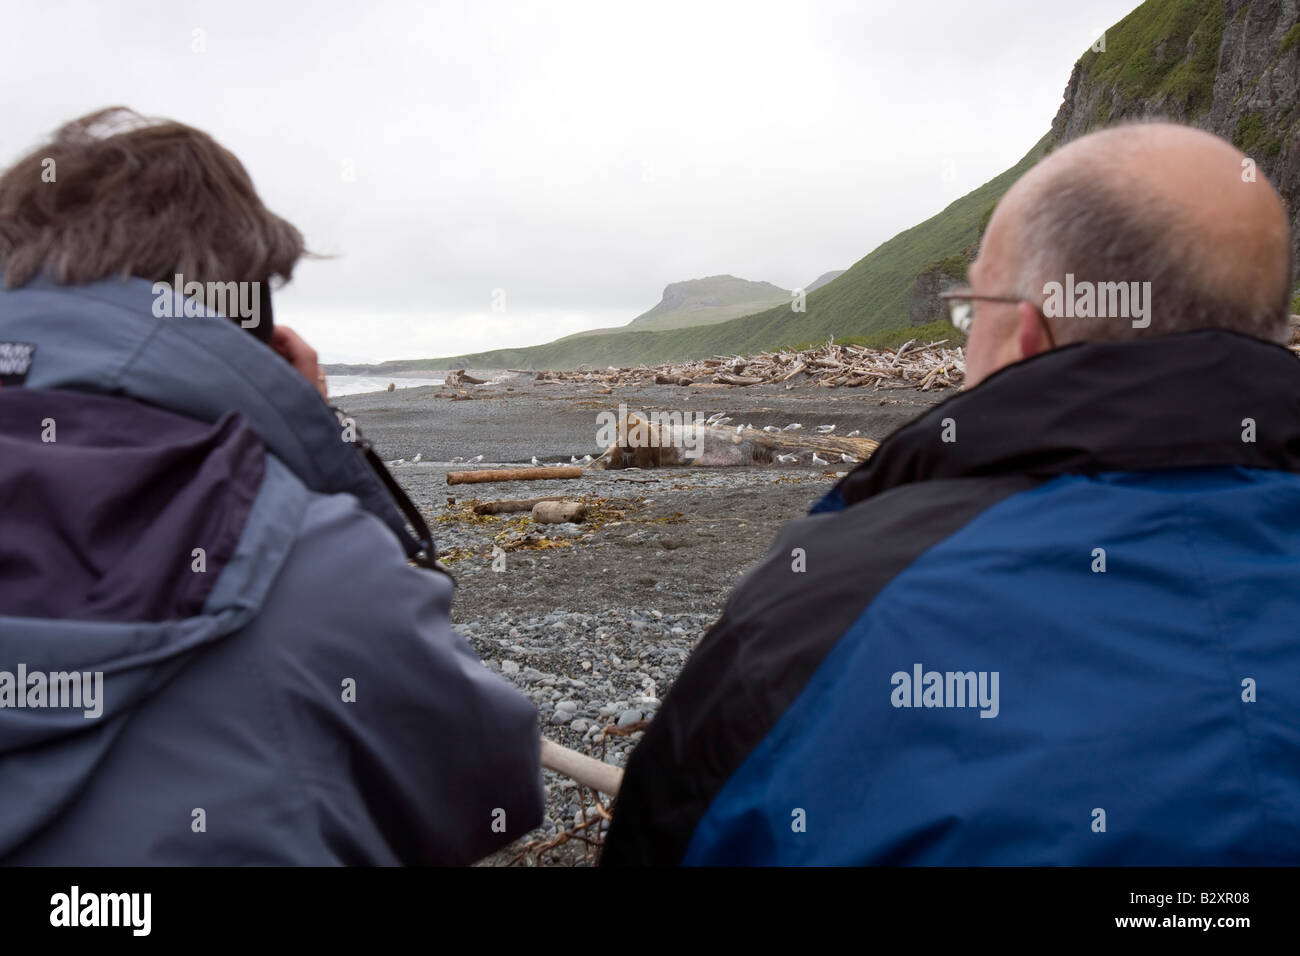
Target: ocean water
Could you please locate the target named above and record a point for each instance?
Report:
(356, 384)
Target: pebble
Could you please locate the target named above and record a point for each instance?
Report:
(630, 652)
(581, 816)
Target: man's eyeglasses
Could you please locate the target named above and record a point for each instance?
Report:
(961, 306)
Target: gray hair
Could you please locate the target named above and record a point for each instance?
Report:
(1091, 229)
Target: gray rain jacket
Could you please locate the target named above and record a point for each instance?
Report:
(180, 514)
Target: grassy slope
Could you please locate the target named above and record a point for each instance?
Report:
(893, 338)
(870, 297)
(1132, 64)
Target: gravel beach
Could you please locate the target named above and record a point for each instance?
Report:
(594, 620)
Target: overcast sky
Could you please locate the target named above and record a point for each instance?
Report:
(576, 156)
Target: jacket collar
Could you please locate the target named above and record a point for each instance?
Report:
(1185, 400)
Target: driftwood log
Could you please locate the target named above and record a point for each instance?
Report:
(458, 377)
(511, 506)
(781, 442)
(588, 771)
(511, 474)
(644, 444)
(559, 512)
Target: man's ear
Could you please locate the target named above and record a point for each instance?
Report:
(1032, 335)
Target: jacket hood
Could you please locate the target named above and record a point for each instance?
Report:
(143, 516)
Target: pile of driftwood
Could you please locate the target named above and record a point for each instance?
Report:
(910, 366)
(645, 444)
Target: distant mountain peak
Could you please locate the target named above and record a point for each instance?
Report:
(709, 300)
(824, 278)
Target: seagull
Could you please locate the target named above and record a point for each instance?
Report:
(770, 428)
(853, 434)
(739, 429)
(792, 427)
(457, 459)
(475, 460)
(720, 422)
(712, 419)
(535, 461)
(586, 458)
(825, 429)
(818, 461)
(848, 459)
(787, 459)
(416, 459)
(573, 459)
(399, 461)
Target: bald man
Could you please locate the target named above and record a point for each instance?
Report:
(1174, 209)
(1052, 620)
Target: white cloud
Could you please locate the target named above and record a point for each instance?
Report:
(578, 155)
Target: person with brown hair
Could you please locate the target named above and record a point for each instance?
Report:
(146, 198)
(220, 643)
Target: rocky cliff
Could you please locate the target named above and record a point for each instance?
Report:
(1231, 67)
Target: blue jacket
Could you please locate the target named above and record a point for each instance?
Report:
(182, 517)
(1053, 620)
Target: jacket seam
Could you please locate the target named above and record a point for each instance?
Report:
(261, 662)
(1216, 620)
